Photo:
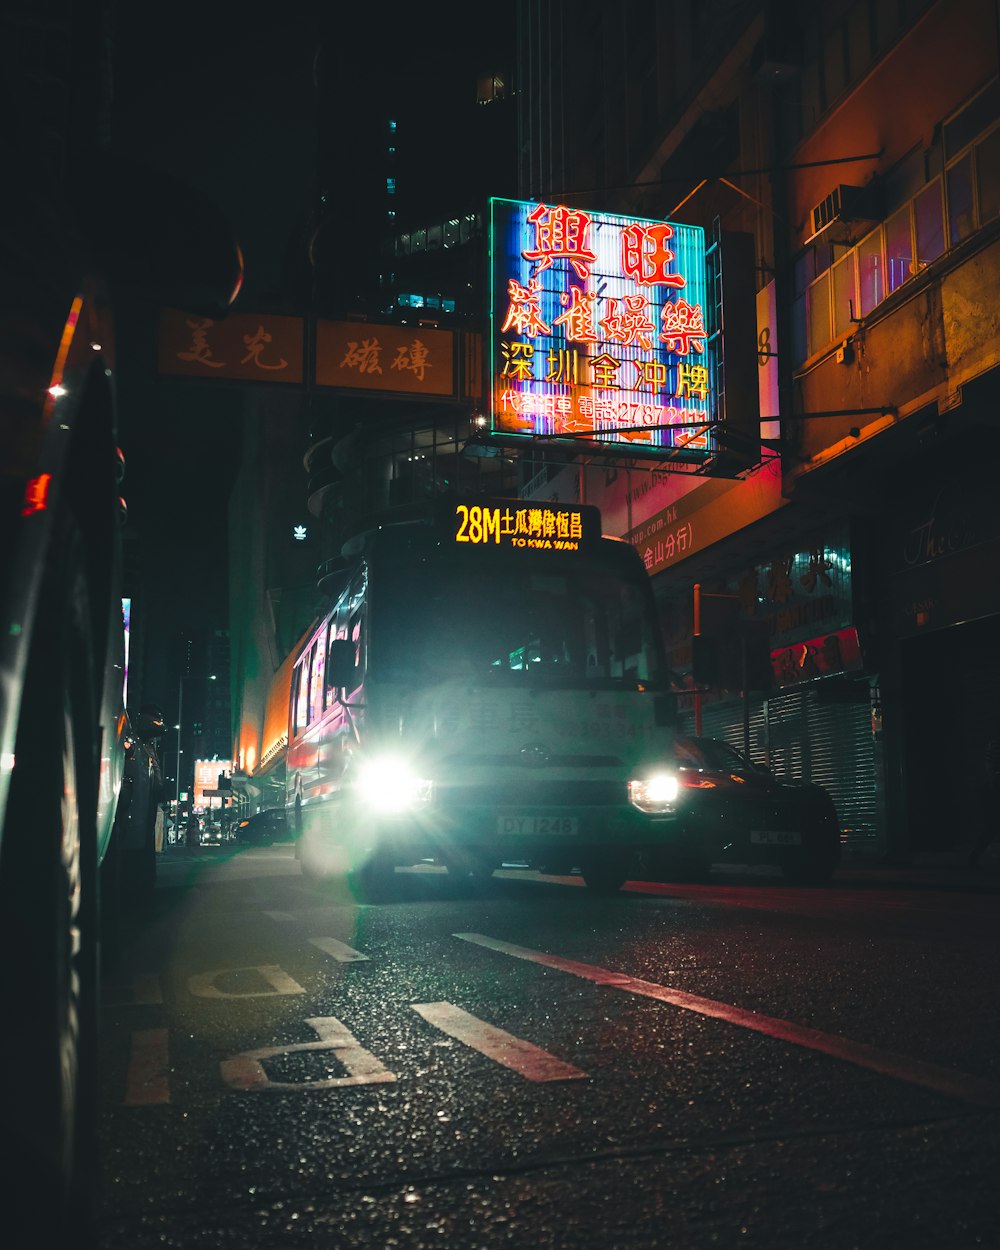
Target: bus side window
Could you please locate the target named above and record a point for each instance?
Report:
(300, 690)
(335, 636)
(317, 665)
(308, 666)
(356, 633)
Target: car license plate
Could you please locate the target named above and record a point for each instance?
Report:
(535, 826)
(775, 837)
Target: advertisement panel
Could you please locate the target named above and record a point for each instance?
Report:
(206, 782)
(600, 329)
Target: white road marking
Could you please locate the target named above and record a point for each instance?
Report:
(948, 1081)
(283, 917)
(337, 950)
(246, 1071)
(148, 1080)
(533, 1063)
(203, 984)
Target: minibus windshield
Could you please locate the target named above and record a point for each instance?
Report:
(579, 625)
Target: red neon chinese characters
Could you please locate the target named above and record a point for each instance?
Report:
(683, 327)
(561, 234)
(579, 316)
(630, 326)
(645, 255)
(523, 312)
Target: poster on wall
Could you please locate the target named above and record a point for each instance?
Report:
(600, 330)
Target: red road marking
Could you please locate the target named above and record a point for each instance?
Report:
(954, 1084)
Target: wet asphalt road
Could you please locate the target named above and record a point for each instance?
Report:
(737, 1064)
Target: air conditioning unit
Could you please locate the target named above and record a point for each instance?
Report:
(843, 215)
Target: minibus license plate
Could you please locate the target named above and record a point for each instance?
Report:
(775, 837)
(536, 826)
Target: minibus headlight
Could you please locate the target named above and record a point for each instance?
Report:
(392, 785)
(656, 793)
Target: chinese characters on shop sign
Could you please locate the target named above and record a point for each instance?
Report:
(365, 356)
(266, 347)
(262, 347)
(599, 327)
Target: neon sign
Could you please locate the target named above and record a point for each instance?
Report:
(598, 329)
(525, 526)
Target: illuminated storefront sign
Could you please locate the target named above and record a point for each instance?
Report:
(528, 526)
(599, 328)
(825, 656)
(258, 347)
(206, 781)
(363, 356)
(706, 515)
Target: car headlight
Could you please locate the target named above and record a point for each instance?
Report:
(656, 793)
(392, 785)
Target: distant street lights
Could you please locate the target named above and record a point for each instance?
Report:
(180, 731)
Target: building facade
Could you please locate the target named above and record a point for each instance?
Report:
(854, 144)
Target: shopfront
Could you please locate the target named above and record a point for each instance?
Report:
(789, 625)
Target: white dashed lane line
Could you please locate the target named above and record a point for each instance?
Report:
(948, 1081)
(530, 1061)
(338, 950)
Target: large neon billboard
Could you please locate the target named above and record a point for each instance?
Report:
(600, 329)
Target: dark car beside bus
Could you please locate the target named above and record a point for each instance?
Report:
(730, 810)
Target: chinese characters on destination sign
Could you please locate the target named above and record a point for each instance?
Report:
(598, 327)
(541, 529)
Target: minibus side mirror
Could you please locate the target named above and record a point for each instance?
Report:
(340, 664)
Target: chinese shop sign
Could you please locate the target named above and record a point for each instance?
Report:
(598, 328)
(243, 347)
(359, 355)
(706, 515)
(801, 601)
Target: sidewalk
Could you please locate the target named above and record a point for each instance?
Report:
(930, 870)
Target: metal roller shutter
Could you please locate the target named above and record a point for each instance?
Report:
(725, 721)
(818, 733)
(843, 762)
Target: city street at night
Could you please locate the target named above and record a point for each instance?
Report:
(500, 625)
(521, 1064)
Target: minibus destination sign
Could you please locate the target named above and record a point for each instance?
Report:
(525, 526)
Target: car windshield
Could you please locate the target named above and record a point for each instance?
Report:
(711, 754)
(585, 626)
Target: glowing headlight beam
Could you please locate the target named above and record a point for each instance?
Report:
(391, 785)
(656, 793)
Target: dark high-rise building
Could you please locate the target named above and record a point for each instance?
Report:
(409, 146)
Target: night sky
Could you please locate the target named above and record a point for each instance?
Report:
(222, 97)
